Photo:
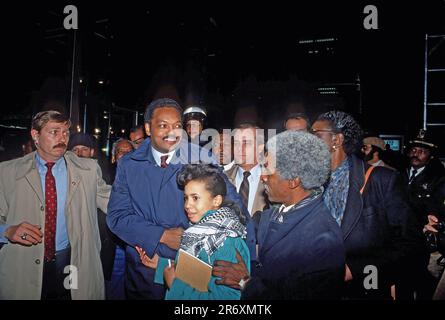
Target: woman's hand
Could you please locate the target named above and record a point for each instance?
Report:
(169, 275)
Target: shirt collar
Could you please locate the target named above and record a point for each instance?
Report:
(157, 155)
(376, 164)
(315, 194)
(418, 170)
(283, 208)
(255, 171)
(41, 164)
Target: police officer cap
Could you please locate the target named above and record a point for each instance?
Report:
(423, 140)
(195, 112)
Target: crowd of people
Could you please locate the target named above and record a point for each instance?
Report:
(314, 212)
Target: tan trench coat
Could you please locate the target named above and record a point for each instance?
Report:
(21, 199)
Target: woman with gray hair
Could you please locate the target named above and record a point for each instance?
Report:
(301, 253)
(368, 203)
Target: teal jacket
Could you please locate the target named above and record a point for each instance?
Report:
(227, 252)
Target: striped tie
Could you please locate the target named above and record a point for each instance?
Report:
(244, 189)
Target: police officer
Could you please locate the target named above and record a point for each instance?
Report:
(194, 117)
(424, 176)
(425, 181)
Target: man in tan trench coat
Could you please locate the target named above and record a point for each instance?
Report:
(26, 269)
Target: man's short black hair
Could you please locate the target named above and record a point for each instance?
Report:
(161, 103)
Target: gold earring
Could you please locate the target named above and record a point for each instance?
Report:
(334, 147)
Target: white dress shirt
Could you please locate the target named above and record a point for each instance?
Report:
(157, 155)
(417, 173)
(283, 208)
(253, 179)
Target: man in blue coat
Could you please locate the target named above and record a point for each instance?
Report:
(301, 253)
(146, 207)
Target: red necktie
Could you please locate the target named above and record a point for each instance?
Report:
(50, 213)
(164, 161)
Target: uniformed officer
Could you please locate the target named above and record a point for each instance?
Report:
(424, 177)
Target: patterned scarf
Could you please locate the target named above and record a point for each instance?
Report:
(336, 193)
(211, 232)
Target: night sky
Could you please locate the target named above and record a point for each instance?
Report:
(218, 47)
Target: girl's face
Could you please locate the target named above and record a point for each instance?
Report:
(198, 200)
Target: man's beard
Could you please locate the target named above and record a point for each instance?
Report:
(368, 157)
(365, 157)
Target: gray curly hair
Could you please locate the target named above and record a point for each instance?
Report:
(303, 155)
(115, 144)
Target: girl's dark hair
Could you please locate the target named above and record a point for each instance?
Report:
(207, 173)
(214, 182)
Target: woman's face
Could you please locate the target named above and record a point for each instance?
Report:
(323, 130)
(198, 200)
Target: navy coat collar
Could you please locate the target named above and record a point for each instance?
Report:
(354, 203)
(144, 152)
(185, 153)
(275, 231)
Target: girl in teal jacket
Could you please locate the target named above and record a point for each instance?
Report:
(217, 231)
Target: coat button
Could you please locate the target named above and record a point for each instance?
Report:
(37, 261)
(42, 208)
